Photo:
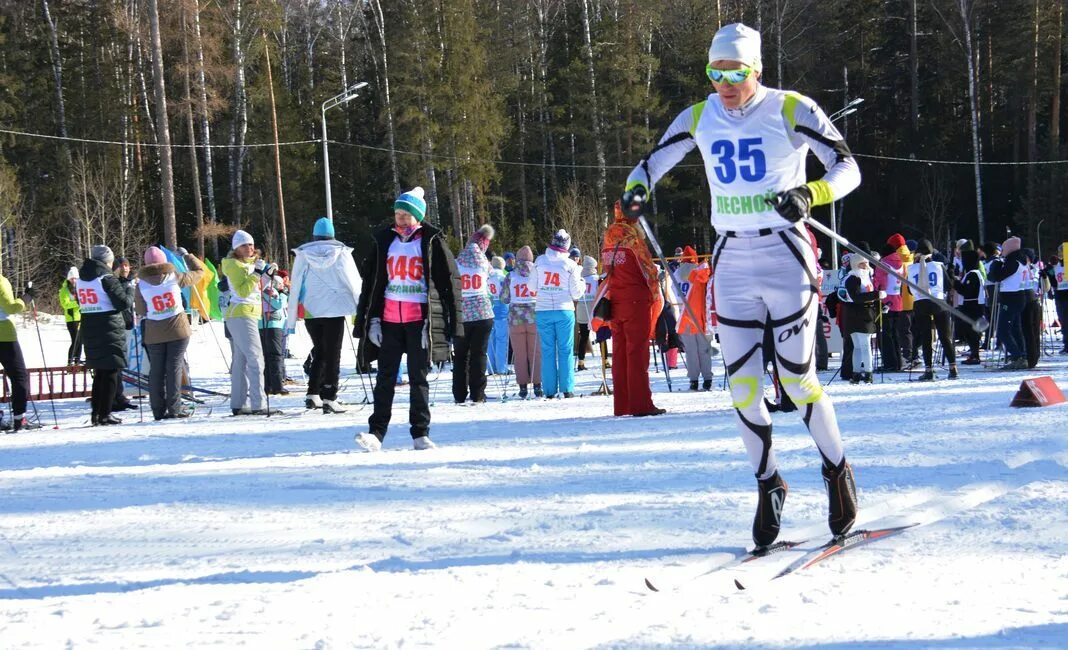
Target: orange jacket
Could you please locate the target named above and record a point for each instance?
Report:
(698, 279)
(620, 236)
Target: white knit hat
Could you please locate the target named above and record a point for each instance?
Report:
(736, 42)
(241, 238)
(72, 273)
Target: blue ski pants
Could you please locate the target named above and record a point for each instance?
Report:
(556, 330)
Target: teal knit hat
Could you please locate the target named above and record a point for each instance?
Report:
(412, 202)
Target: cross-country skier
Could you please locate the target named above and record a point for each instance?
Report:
(753, 141)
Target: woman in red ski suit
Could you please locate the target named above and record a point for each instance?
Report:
(631, 286)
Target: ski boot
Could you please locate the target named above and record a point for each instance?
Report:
(369, 441)
(422, 443)
(313, 402)
(332, 406)
(771, 497)
(952, 372)
(693, 385)
(841, 496)
(928, 375)
(538, 392)
(523, 391)
(706, 384)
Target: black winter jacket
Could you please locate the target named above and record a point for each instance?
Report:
(104, 334)
(861, 315)
(443, 308)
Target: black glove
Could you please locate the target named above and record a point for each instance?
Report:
(792, 205)
(633, 202)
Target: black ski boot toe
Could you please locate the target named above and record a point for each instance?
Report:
(771, 497)
(841, 497)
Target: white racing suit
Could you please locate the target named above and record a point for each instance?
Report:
(765, 267)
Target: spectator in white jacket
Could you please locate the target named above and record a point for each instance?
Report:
(325, 281)
(560, 284)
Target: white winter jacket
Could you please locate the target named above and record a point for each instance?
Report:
(324, 280)
(559, 280)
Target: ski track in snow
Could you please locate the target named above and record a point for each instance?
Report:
(533, 525)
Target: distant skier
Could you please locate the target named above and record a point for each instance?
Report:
(166, 327)
(498, 342)
(103, 299)
(68, 301)
(243, 268)
(326, 283)
(559, 285)
(520, 292)
(754, 141)
(11, 353)
(469, 349)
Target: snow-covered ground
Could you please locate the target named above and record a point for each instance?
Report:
(533, 525)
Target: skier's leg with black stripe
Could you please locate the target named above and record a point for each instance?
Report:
(741, 314)
(792, 310)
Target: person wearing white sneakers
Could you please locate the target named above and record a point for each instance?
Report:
(409, 305)
(326, 282)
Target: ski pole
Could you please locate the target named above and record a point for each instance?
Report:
(40, 342)
(138, 340)
(978, 325)
(359, 370)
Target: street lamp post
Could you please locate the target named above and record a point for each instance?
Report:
(848, 109)
(348, 95)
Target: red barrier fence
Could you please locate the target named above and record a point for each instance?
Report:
(54, 383)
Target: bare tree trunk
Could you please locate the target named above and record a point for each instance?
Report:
(522, 124)
(239, 124)
(145, 104)
(192, 133)
(277, 153)
(205, 126)
(61, 114)
(57, 73)
(914, 69)
(602, 174)
(966, 7)
(1055, 113)
(1032, 121)
(380, 23)
(170, 231)
(780, 10)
